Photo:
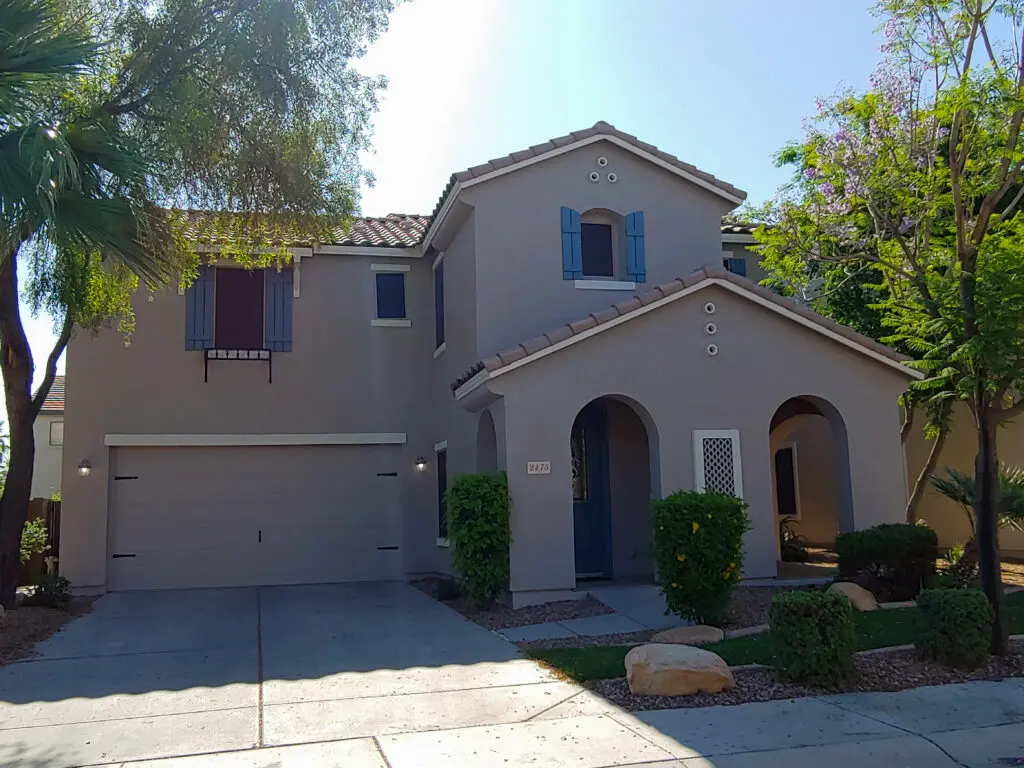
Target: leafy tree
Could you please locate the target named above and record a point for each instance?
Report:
(113, 112)
(920, 178)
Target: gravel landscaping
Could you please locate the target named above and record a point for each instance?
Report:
(503, 617)
(889, 671)
(22, 628)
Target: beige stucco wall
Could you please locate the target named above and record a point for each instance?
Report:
(629, 476)
(959, 451)
(343, 375)
(659, 361)
(47, 465)
(817, 475)
(755, 272)
(519, 282)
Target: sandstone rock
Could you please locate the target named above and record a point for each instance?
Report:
(698, 634)
(675, 670)
(860, 598)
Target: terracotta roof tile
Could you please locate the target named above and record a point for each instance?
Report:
(54, 402)
(630, 306)
(396, 230)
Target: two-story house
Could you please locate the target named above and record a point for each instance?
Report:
(563, 315)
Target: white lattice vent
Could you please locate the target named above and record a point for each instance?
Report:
(717, 461)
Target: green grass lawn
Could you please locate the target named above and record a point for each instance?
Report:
(878, 629)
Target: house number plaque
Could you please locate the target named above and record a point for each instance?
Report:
(538, 467)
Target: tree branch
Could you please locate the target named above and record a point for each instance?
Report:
(51, 364)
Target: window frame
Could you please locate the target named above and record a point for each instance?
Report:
(699, 477)
(390, 271)
(791, 447)
(441, 478)
(617, 231)
(440, 335)
(50, 436)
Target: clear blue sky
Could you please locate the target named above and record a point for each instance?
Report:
(721, 85)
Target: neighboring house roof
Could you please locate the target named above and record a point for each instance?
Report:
(565, 335)
(54, 402)
(730, 227)
(599, 130)
(396, 230)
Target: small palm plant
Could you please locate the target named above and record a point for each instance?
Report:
(959, 486)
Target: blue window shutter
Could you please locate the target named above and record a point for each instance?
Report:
(199, 304)
(738, 266)
(572, 245)
(636, 261)
(277, 332)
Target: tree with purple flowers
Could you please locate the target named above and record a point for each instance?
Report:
(919, 182)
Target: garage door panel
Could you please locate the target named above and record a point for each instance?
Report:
(194, 517)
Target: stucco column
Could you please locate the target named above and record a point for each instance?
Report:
(543, 550)
(877, 478)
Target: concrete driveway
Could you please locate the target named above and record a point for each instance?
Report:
(381, 676)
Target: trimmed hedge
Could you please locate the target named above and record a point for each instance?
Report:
(813, 637)
(953, 626)
(480, 530)
(698, 550)
(894, 561)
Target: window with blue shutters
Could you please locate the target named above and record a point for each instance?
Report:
(255, 309)
(391, 295)
(572, 245)
(602, 244)
(199, 310)
(636, 258)
(277, 335)
(736, 265)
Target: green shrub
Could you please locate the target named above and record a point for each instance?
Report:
(480, 531)
(953, 626)
(894, 561)
(698, 550)
(52, 592)
(33, 539)
(813, 637)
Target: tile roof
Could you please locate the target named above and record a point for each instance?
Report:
(599, 128)
(54, 402)
(396, 230)
(624, 308)
(730, 227)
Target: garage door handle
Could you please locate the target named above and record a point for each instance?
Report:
(116, 555)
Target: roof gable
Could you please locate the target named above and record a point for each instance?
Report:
(573, 333)
(54, 402)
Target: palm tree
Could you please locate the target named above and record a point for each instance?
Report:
(74, 199)
(959, 486)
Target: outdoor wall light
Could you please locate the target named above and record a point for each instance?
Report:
(421, 464)
(84, 468)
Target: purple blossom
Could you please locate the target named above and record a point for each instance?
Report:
(906, 224)
(810, 173)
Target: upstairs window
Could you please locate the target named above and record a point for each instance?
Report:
(391, 295)
(231, 308)
(439, 304)
(598, 250)
(736, 265)
(239, 313)
(57, 433)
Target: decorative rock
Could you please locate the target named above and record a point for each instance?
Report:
(757, 629)
(675, 670)
(698, 634)
(860, 598)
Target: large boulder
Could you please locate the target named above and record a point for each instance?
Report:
(698, 634)
(675, 670)
(860, 598)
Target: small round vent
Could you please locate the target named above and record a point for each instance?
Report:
(602, 161)
(612, 178)
(595, 176)
(711, 349)
(710, 329)
(709, 308)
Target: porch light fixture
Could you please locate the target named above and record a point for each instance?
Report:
(421, 464)
(84, 468)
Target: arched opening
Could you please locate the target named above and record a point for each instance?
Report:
(614, 450)
(486, 444)
(811, 470)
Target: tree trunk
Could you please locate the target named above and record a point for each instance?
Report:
(16, 367)
(922, 479)
(986, 501)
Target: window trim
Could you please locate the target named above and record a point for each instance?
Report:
(618, 234)
(798, 515)
(597, 284)
(699, 478)
(390, 322)
(50, 435)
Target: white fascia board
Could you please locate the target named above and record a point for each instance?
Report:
(745, 239)
(412, 252)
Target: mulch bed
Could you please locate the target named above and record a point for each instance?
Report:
(889, 671)
(589, 641)
(503, 617)
(22, 628)
(749, 605)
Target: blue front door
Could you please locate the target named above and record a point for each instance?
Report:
(590, 493)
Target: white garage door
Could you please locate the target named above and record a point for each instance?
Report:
(218, 517)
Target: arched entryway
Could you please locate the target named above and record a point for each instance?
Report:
(811, 469)
(486, 444)
(614, 447)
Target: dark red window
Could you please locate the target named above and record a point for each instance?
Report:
(239, 309)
